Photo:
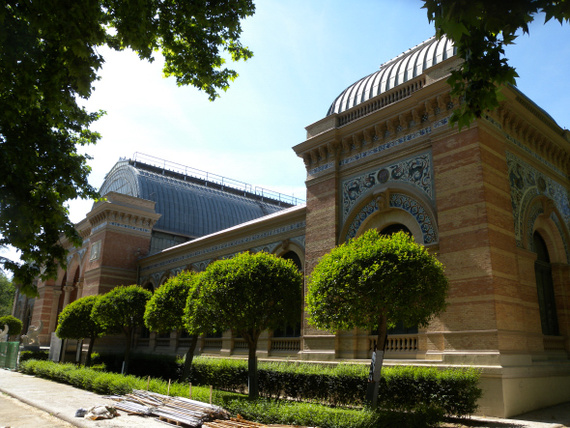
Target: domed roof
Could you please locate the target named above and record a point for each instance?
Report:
(190, 206)
(401, 69)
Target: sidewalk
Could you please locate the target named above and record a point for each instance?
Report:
(62, 401)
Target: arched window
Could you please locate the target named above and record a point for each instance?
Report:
(395, 228)
(545, 287)
(290, 330)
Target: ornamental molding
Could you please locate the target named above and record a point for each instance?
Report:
(418, 122)
(531, 140)
(526, 185)
(415, 171)
(399, 201)
(228, 245)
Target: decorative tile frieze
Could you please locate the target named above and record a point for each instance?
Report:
(524, 147)
(416, 171)
(403, 202)
(227, 245)
(526, 183)
(319, 169)
(382, 147)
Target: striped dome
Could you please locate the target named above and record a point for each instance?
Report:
(401, 69)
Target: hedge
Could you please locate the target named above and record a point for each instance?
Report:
(263, 410)
(403, 388)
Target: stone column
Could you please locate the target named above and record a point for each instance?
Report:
(67, 289)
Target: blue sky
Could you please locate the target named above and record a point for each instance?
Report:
(305, 54)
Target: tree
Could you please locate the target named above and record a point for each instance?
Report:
(50, 60)
(75, 322)
(165, 310)
(14, 325)
(121, 310)
(7, 292)
(246, 294)
(480, 30)
(374, 282)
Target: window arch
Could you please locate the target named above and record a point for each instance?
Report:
(545, 287)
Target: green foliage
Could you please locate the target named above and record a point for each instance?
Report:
(376, 276)
(480, 29)
(7, 293)
(144, 365)
(263, 411)
(247, 294)
(165, 310)
(33, 355)
(121, 310)
(402, 389)
(112, 383)
(50, 59)
(14, 325)
(75, 321)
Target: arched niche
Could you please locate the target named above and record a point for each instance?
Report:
(379, 210)
(291, 251)
(541, 215)
(545, 287)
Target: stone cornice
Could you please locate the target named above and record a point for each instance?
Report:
(532, 130)
(384, 129)
(123, 211)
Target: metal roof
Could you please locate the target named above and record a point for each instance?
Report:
(395, 72)
(189, 206)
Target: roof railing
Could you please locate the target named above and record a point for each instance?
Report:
(208, 177)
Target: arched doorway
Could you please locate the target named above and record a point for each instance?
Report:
(545, 287)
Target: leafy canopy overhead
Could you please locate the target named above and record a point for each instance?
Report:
(480, 29)
(50, 60)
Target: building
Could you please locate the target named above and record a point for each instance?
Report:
(491, 200)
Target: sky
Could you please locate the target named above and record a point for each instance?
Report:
(306, 52)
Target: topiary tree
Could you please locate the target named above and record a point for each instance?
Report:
(376, 281)
(75, 322)
(121, 310)
(165, 310)
(14, 325)
(247, 294)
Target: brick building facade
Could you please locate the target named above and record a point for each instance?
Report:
(492, 201)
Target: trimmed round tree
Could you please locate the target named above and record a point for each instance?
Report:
(121, 310)
(165, 310)
(374, 282)
(246, 294)
(14, 324)
(75, 322)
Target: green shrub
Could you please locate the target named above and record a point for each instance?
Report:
(264, 411)
(402, 389)
(34, 355)
(142, 365)
(14, 325)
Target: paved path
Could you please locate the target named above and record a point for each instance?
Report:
(28, 401)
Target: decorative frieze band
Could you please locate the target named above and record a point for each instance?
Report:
(227, 245)
(416, 171)
(398, 201)
(527, 183)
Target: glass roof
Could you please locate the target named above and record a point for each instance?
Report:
(189, 206)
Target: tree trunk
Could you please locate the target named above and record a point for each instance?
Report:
(376, 363)
(127, 357)
(252, 380)
(89, 351)
(189, 357)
